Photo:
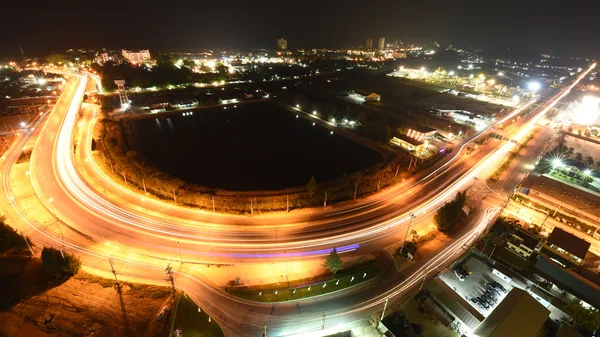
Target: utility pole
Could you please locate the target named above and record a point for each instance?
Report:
(355, 189)
(125, 178)
(378, 183)
(251, 207)
(174, 196)
(412, 216)
(556, 210)
(179, 248)
(325, 203)
(27, 241)
(383, 313)
(212, 197)
(288, 203)
(397, 169)
(323, 325)
(411, 161)
(424, 278)
(169, 271)
(265, 333)
(112, 267)
(144, 184)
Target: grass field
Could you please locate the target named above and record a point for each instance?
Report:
(194, 323)
(279, 292)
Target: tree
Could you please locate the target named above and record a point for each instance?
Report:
(570, 151)
(589, 160)
(414, 234)
(448, 216)
(57, 58)
(387, 132)
(334, 262)
(61, 262)
(312, 187)
(578, 157)
(582, 318)
(188, 62)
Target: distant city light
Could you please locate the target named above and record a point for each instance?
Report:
(451, 73)
(500, 73)
(22, 124)
(587, 111)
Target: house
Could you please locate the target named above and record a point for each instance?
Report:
(367, 95)
(565, 248)
(518, 314)
(522, 243)
(156, 102)
(183, 102)
(421, 132)
(228, 100)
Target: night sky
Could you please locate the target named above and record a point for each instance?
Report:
(571, 29)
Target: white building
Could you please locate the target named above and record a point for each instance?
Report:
(140, 56)
(369, 44)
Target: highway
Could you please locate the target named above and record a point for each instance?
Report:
(68, 186)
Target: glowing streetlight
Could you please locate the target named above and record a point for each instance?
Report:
(534, 86)
(557, 163)
(587, 172)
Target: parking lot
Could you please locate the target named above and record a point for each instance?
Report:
(475, 285)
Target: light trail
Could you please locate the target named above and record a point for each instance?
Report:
(313, 319)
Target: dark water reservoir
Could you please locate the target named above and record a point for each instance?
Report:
(257, 146)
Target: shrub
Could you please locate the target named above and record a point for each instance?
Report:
(10, 239)
(61, 262)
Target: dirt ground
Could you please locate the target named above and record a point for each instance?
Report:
(36, 303)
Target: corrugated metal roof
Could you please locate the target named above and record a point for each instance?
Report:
(455, 304)
(518, 314)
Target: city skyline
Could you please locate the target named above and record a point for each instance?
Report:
(528, 26)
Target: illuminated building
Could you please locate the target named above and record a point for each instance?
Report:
(140, 56)
(369, 44)
(282, 43)
(381, 43)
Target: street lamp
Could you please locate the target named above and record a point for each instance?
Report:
(412, 216)
(556, 163)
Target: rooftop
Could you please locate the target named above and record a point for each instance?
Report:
(363, 92)
(518, 314)
(529, 240)
(569, 242)
(423, 128)
(576, 197)
(565, 279)
(409, 140)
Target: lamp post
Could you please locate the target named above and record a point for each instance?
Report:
(412, 216)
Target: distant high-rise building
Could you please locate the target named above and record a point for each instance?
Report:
(396, 44)
(140, 56)
(381, 43)
(282, 43)
(369, 44)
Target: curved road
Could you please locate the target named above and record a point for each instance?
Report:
(89, 221)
